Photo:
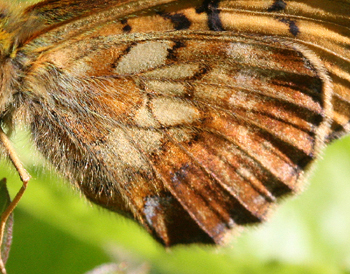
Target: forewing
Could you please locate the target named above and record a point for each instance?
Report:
(321, 26)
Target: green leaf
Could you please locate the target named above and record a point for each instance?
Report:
(5, 200)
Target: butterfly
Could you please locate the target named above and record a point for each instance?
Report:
(193, 118)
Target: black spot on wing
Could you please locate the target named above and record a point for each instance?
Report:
(127, 27)
(172, 52)
(278, 5)
(293, 28)
(210, 7)
(200, 73)
(179, 20)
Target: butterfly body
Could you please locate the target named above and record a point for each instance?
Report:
(187, 116)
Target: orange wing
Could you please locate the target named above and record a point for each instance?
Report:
(321, 26)
(177, 114)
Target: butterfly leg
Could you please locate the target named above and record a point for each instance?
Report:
(24, 178)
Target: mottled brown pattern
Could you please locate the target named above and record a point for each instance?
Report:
(191, 117)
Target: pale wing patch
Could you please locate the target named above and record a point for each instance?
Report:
(242, 52)
(240, 99)
(151, 208)
(165, 88)
(150, 141)
(243, 134)
(182, 135)
(143, 56)
(245, 78)
(121, 145)
(130, 144)
(171, 112)
(143, 117)
(174, 72)
(250, 54)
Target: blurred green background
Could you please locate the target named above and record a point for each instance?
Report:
(57, 231)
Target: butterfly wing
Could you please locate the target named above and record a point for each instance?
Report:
(192, 130)
(322, 26)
